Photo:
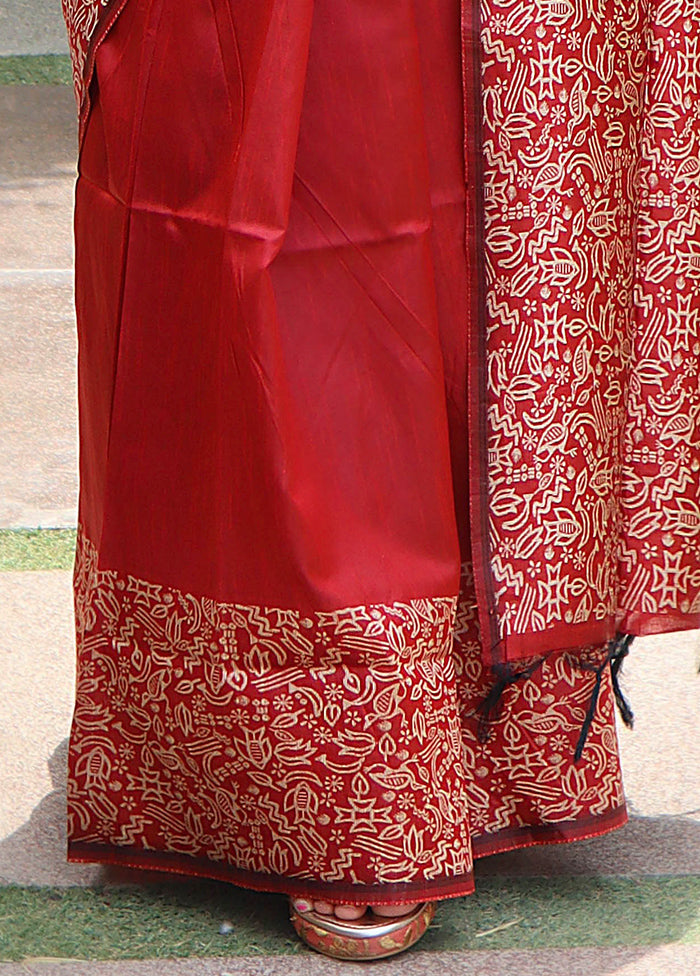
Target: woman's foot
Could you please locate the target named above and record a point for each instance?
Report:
(360, 931)
(350, 913)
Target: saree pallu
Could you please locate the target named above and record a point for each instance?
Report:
(388, 386)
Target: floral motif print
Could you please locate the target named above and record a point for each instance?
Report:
(661, 484)
(325, 747)
(323, 750)
(591, 142)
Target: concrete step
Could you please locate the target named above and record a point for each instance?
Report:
(668, 960)
(32, 27)
(38, 478)
(38, 416)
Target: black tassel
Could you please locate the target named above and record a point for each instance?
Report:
(490, 708)
(621, 651)
(590, 714)
(617, 651)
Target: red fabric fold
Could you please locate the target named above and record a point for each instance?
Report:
(245, 463)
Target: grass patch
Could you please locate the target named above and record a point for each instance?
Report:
(33, 549)
(154, 922)
(36, 69)
(532, 913)
(183, 920)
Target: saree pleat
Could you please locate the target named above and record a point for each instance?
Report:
(328, 473)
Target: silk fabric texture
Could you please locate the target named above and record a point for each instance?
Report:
(375, 393)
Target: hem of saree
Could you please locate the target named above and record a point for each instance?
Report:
(565, 637)
(566, 832)
(389, 894)
(648, 624)
(171, 863)
(570, 638)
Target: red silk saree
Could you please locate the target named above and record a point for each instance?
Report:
(388, 380)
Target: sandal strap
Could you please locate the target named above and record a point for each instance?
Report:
(356, 939)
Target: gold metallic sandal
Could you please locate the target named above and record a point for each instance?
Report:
(362, 939)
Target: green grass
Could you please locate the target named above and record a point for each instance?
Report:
(183, 920)
(32, 549)
(35, 69)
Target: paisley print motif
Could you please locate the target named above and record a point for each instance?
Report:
(591, 127)
(250, 742)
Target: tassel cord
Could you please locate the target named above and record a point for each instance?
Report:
(508, 674)
(618, 649)
(616, 662)
(490, 708)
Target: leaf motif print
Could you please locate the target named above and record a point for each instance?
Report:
(254, 781)
(598, 211)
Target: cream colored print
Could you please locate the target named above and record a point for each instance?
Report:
(591, 147)
(346, 751)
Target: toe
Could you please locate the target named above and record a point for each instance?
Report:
(350, 912)
(323, 907)
(393, 911)
(302, 904)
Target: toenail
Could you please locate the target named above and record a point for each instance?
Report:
(301, 905)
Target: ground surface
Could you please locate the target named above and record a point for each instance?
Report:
(32, 27)
(624, 905)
